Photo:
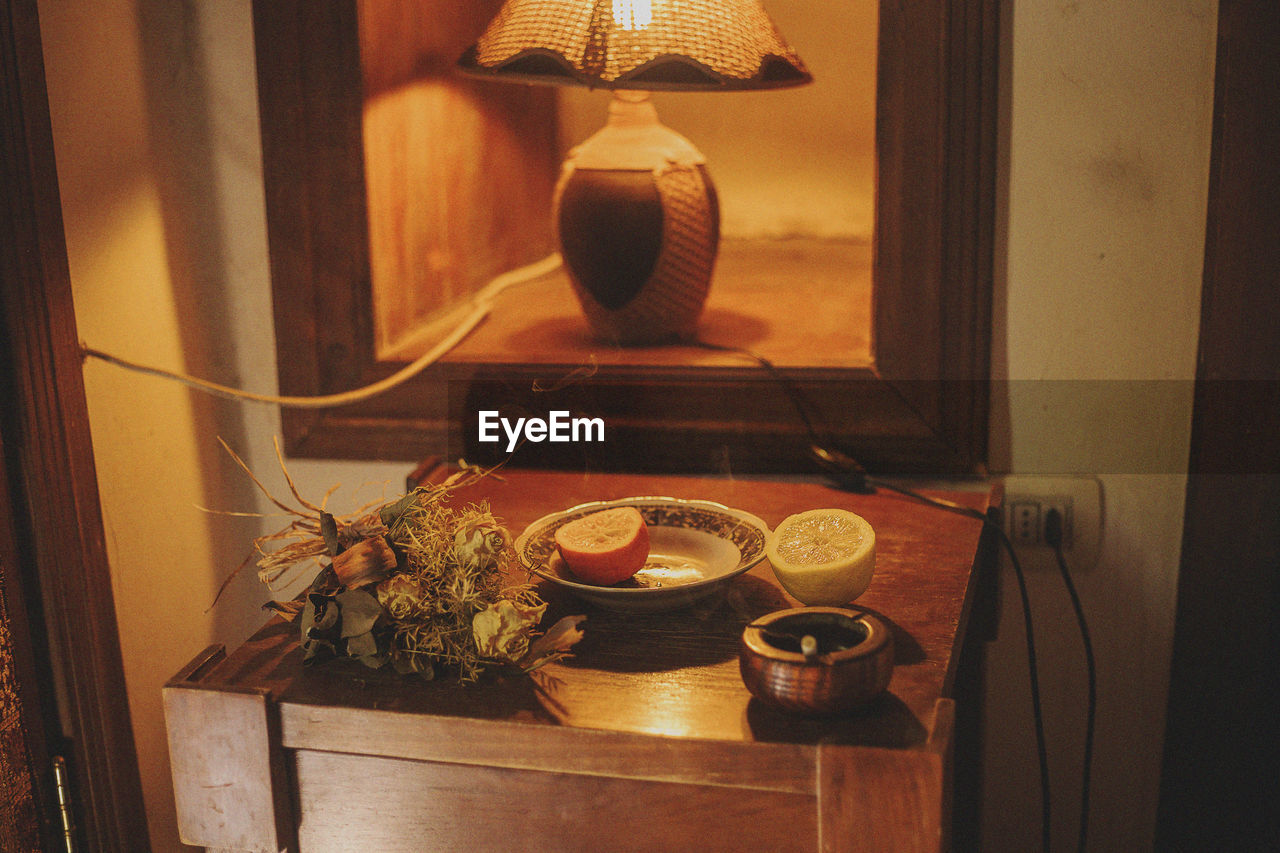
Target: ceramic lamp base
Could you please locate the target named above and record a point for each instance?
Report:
(639, 226)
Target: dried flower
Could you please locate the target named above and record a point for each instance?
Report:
(403, 598)
(502, 630)
(479, 544)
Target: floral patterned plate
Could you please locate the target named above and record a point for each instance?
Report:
(694, 547)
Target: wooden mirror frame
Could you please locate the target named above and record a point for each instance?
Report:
(921, 407)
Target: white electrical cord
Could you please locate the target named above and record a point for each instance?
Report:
(482, 302)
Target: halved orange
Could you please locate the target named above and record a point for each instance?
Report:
(605, 547)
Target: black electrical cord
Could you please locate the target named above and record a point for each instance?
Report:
(848, 474)
(1053, 536)
(1037, 712)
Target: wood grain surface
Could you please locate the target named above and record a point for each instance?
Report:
(417, 806)
(227, 769)
(824, 321)
(458, 171)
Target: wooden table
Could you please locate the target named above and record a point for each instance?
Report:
(645, 739)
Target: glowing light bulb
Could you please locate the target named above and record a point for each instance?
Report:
(632, 14)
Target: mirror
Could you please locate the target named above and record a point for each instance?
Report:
(383, 170)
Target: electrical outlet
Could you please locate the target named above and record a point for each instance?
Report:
(1027, 518)
(1078, 501)
(1022, 521)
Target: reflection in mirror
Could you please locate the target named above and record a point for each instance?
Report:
(460, 173)
(897, 377)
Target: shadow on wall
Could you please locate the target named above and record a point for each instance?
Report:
(183, 144)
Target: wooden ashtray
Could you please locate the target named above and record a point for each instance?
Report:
(817, 660)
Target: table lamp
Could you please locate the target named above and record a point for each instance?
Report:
(635, 209)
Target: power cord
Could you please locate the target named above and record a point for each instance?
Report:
(481, 303)
(1053, 536)
(1037, 712)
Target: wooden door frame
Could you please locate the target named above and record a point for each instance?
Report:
(50, 455)
(1219, 789)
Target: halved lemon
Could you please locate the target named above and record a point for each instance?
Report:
(823, 556)
(605, 547)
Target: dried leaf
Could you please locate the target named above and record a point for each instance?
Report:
(322, 618)
(364, 563)
(392, 513)
(360, 611)
(329, 530)
(365, 649)
(319, 619)
(290, 610)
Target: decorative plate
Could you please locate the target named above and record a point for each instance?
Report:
(694, 546)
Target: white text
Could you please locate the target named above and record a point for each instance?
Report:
(558, 427)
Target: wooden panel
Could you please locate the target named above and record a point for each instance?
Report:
(594, 752)
(893, 801)
(936, 103)
(880, 800)
(228, 771)
(309, 103)
(354, 802)
(459, 172)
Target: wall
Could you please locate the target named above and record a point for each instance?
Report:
(154, 113)
(1104, 188)
(154, 118)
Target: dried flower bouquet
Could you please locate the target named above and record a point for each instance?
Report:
(413, 582)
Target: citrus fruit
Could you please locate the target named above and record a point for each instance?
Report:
(605, 547)
(823, 556)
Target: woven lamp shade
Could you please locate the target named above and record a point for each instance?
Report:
(638, 44)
